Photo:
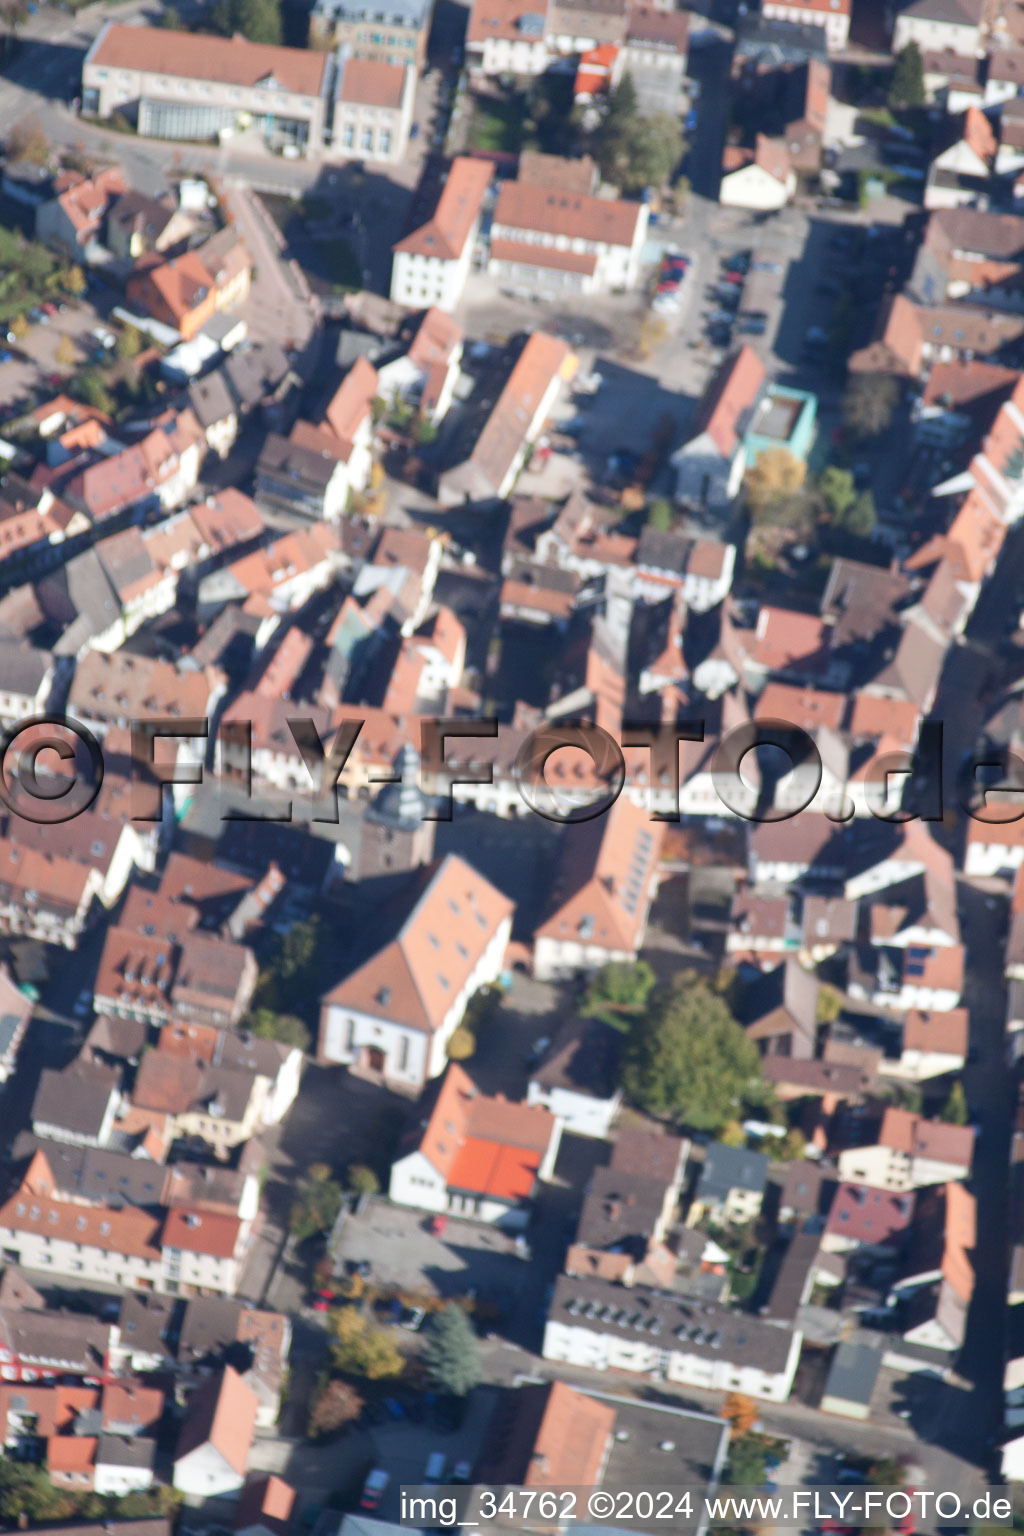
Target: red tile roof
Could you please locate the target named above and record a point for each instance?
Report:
(371, 83)
(417, 976)
(731, 394)
(458, 208)
(602, 221)
(222, 1414)
(482, 1144)
(199, 56)
(866, 1215)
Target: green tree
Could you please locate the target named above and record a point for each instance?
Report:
(318, 1201)
(130, 342)
(170, 19)
(258, 20)
(451, 1358)
(287, 1028)
(792, 1147)
(73, 282)
(687, 1059)
(362, 1180)
(621, 986)
(862, 517)
(660, 515)
(362, 1349)
(461, 1044)
(732, 1134)
(634, 151)
(955, 1110)
(837, 491)
(67, 352)
(293, 966)
(906, 86)
(869, 401)
(91, 387)
(748, 1460)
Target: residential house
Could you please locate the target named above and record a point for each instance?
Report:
(779, 1011)
(624, 1222)
(601, 893)
(15, 1014)
(603, 1326)
(547, 1435)
(41, 1344)
(186, 292)
(732, 1184)
(316, 469)
(872, 1223)
(761, 178)
(158, 473)
(578, 1076)
(543, 367)
(908, 1152)
(395, 36)
(501, 38)
(475, 1156)
(393, 1015)
(265, 1507)
(431, 264)
(426, 370)
(278, 578)
(373, 108)
(959, 173)
(72, 222)
(832, 15)
(548, 241)
(709, 466)
(215, 409)
(216, 1437)
(933, 1044)
(654, 56)
(77, 1104)
(138, 223)
(157, 977)
(700, 570)
(933, 1290)
(44, 896)
(936, 25)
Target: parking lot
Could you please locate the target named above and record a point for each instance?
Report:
(471, 1259)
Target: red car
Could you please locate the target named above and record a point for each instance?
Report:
(733, 277)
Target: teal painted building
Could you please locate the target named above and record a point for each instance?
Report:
(783, 418)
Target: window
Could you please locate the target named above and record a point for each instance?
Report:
(385, 141)
(367, 139)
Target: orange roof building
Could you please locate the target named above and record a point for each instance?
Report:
(166, 78)
(431, 263)
(545, 238)
(216, 1437)
(710, 463)
(543, 366)
(475, 1156)
(393, 1015)
(601, 893)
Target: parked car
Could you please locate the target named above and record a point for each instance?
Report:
(374, 1489)
(435, 1468)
